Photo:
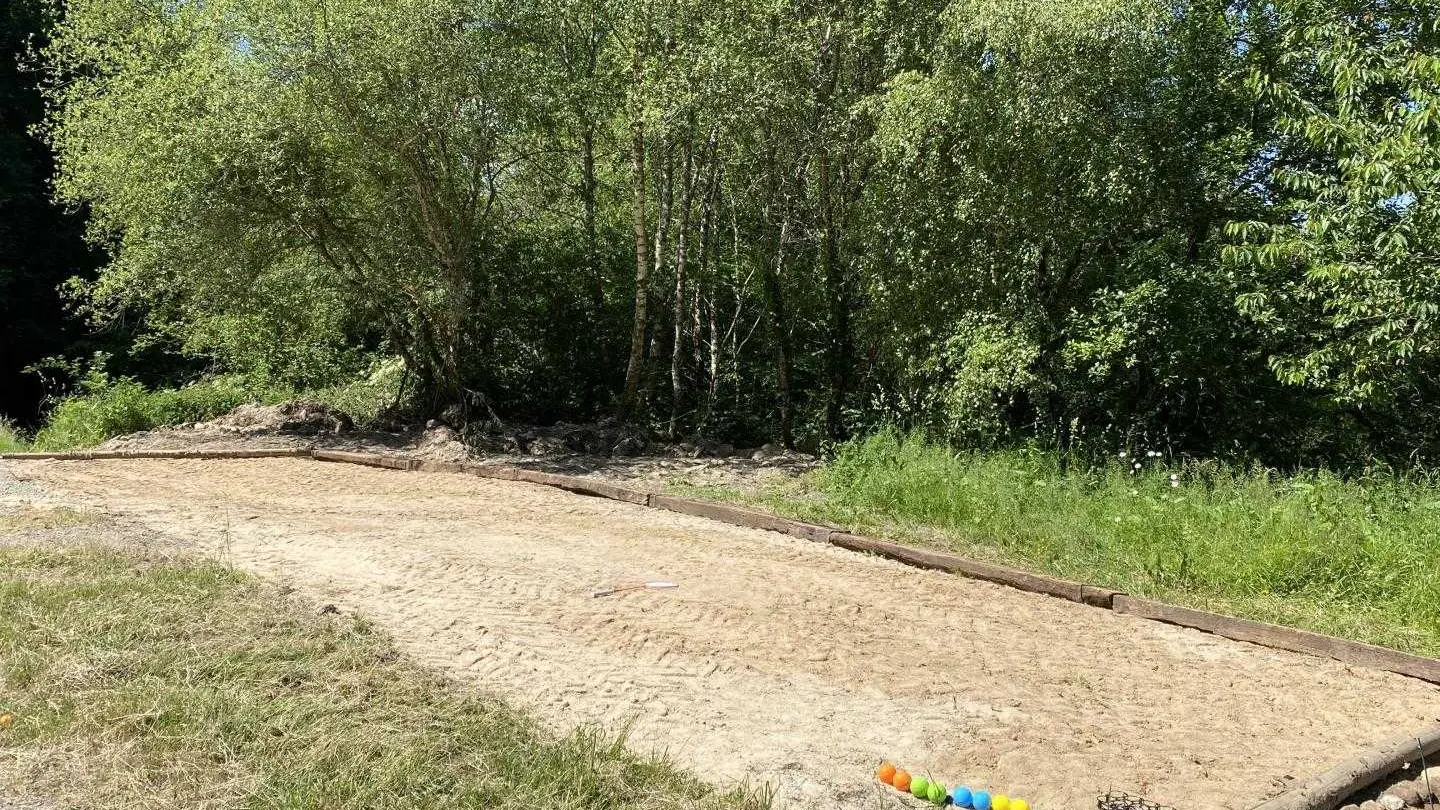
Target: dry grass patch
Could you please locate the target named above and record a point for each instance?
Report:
(31, 518)
(145, 683)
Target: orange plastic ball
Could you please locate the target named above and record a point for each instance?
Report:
(886, 773)
(901, 780)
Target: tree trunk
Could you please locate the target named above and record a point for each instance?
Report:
(837, 349)
(837, 295)
(636, 366)
(665, 190)
(708, 237)
(780, 333)
(588, 187)
(677, 345)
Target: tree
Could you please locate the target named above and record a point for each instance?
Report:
(1002, 220)
(1351, 263)
(1059, 176)
(281, 182)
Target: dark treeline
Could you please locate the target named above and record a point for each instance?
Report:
(40, 245)
(1205, 227)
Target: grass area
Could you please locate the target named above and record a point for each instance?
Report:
(105, 408)
(155, 683)
(11, 441)
(1356, 557)
(31, 518)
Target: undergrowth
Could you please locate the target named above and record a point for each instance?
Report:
(1351, 556)
(106, 407)
(11, 440)
(135, 682)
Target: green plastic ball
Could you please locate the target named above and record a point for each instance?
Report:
(920, 787)
(937, 793)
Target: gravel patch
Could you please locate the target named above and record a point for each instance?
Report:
(15, 491)
(1410, 788)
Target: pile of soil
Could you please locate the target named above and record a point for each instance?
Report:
(1412, 787)
(294, 424)
(297, 416)
(608, 450)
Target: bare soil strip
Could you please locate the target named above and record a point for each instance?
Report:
(775, 660)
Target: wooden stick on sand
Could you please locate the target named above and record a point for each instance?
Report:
(634, 586)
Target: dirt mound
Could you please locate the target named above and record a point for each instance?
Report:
(621, 453)
(296, 416)
(609, 439)
(294, 424)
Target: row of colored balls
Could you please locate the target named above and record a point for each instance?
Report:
(922, 788)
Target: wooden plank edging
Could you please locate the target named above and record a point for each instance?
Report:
(974, 569)
(740, 516)
(584, 486)
(1328, 790)
(367, 459)
(1284, 638)
(120, 455)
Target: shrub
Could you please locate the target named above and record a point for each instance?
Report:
(10, 439)
(363, 398)
(107, 407)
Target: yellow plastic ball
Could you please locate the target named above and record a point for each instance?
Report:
(999, 802)
(1019, 804)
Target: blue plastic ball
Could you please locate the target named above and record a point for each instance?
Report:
(980, 800)
(960, 796)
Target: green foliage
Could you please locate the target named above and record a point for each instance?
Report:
(362, 398)
(1354, 556)
(1350, 260)
(105, 407)
(1204, 225)
(284, 182)
(11, 440)
(1060, 173)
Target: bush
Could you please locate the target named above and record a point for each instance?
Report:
(10, 439)
(107, 407)
(362, 399)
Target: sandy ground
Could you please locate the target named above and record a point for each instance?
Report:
(776, 660)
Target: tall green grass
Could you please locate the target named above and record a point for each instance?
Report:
(11, 440)
(1358, 557)
(106, 408)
